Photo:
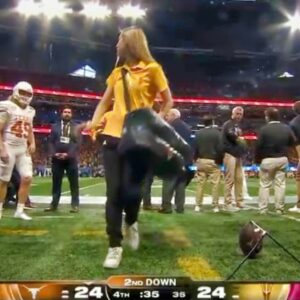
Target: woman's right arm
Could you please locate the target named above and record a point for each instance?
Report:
(167, 102)
(102, 107)
(162, 86)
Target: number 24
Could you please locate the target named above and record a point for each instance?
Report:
(83, 292)
(206, 292)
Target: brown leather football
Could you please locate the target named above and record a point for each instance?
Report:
(250, 234)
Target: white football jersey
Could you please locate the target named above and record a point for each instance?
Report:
(18, 122)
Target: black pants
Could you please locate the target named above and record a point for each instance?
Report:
(171, 186)
(123, 191)
(13, 187)
(147, 189)
(58, 169)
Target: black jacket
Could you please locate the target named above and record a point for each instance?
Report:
(55, 145)
(274, 139)
(295, 125)
(208, 144)
(230, 137)
(182, 129)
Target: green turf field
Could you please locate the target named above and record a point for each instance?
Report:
(96, 187)
(199, 245)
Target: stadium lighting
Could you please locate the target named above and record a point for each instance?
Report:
(49, 8)
(131, 11)
(29, 8)
(53, 8)
(96, 11)
(294, 22)
(286, 75)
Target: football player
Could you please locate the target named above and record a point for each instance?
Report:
(17, 143)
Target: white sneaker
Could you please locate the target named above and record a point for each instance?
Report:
(197, 208)
(113, 258)
(247, 198)
(131, 236)
(230, 208)
(294, 209)
(243, 207)
(1, 213)
(216, 209)
(22, 216)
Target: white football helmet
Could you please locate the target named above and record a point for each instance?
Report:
(23, 93)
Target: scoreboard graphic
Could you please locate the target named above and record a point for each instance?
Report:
(140, 287)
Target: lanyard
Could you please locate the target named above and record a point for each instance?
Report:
(68, 128)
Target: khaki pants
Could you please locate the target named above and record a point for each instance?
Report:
(272, 170)
(245, 188)
(208, 170)
(233, 177)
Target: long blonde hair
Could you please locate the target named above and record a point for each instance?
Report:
(137, 44)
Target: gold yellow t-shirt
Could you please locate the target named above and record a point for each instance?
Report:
(144, 82)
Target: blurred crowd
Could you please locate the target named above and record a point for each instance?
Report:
(48, 108)
(90, 159)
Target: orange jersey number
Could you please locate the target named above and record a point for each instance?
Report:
(21, 129)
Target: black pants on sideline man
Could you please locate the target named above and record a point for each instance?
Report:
(13, 188)
(171, 186)
(14, 185)
(123, 191)
(58, 169)
(147, 189)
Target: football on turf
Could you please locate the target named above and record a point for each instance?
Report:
(250, 235)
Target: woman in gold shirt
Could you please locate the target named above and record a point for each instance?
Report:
(145, 79)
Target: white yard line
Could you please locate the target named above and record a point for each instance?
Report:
(40, 217)
(160, 186)
(53, 217)
(83, 188)
(65, 199)
(274, 214)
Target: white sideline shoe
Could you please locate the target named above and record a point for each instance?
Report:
(216, 209)
(113, 258)
(132, 237)
(197, 208)
(294, 209)
(230, 208)
(22, 216)
(244, 207)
